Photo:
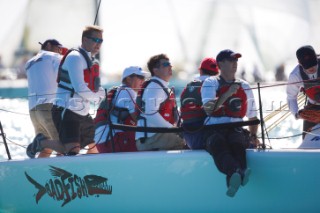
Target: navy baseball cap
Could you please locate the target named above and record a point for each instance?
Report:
(226, 54)
(51, 41)
(307, 57)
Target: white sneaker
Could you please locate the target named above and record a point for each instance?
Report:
(245, 176)
(234, 184)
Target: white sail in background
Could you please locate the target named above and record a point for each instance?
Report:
(13, 15)
(267, 33)
(60, 19)
(24, 23)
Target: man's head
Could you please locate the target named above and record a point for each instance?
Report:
(92, 39)
(209, 66)
(227, 55)
(134, 76)
(160, 66)
(307, 57)
(51, 45)
(227, 61)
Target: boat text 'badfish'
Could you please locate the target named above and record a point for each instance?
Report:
(65, 186)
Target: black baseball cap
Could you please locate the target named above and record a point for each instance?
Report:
(51, 41)
(226, 54)
(307, 57)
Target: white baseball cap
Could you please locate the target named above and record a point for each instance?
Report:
(134, 70)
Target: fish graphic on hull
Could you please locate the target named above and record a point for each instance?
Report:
(65, 186)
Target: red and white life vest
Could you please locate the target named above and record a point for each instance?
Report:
(122, 141)
(168, 107)
(311, 87)
(235, 106)
(91, 74)
(107, 107)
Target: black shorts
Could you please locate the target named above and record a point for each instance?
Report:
(73, 127)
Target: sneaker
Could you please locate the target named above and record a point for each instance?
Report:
(34, 147)
(234, 184)
(245, 176)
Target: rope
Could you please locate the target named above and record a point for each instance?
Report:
(180, 129)
(19, 113)
(284, 108)
(284, 116)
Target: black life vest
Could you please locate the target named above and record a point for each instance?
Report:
(91, 74)
(191, 103)
(236, 105)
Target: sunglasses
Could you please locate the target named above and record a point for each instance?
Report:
(166, 64)
(96, 40)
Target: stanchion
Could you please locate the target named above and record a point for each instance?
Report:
(261, 118)
(4, 141)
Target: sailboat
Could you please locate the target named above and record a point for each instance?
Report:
(161, 181)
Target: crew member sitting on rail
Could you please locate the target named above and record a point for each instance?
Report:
(118, 107)
(157, 108)
(192, 112)
(226, 100)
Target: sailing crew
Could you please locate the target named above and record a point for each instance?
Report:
(118, 107)
(42, 70)
(306, 76)
(78, 86)
(226, 100)
(192, 112)
(156, 106)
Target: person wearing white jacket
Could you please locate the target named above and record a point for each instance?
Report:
(75, 92)
(157, 108)
(42, 70)
(305, 76)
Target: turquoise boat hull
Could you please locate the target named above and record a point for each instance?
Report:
(172, 181)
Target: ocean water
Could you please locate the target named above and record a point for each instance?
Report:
(19, 131)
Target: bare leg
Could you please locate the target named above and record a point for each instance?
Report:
(45, 153)
(73, 147)
(54, 145)
(92, 149)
